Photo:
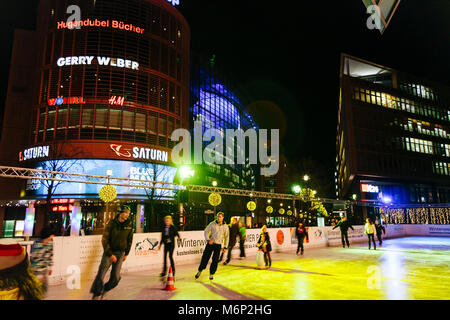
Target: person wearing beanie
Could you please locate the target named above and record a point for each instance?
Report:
(116, 241)
(17, 281)
(42, 257)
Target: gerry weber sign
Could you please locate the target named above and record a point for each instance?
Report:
(102, 61)
(139, 153)
(34, 153)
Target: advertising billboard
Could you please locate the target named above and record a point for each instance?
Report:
(142, 171)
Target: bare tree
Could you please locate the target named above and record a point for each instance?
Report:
(157, 173)
(61, 161)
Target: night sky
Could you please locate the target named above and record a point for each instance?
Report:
(289, 54)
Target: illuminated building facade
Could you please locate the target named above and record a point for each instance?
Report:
(393, 141)
(218, 104)
(110, 88)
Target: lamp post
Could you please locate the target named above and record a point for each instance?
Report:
(297, 189)
(109, 173)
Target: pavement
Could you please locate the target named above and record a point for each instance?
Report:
(412, 268)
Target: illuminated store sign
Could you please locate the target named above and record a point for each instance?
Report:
(142, 171)
(174, 2)
(367, 188)
(62, 100)
(100, 24)
(116, 101)
(62, 208)
(102, 61)
(140, 153)
(34, 153)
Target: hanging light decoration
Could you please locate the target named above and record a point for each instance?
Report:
(108, 193)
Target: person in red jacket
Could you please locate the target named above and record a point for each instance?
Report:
(301, 233)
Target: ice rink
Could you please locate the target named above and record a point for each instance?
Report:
(413, 268)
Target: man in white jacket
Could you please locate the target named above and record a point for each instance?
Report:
(217, 236)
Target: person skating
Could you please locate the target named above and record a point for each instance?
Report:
(301, 233)
(234, 232)
(370, 230)
(242, 239)
(265, 245)
(217, 237)
(344, 225)
(116, 241)
(168, 235)
(17, 281)
(42, 257)
(380, 231)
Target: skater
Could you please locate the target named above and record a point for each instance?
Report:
(301, 233)
(217, 236)
(42, 257)
(116, 241)
(380, 231)
(370, 230)
(234, 232)
(168, 235)
(242, 239)
(17, 281)
(343, 224)
(265, 245)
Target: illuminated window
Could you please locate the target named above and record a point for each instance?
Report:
(101, 118)
(115, 119)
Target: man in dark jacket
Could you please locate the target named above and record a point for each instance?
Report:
(234, 232)
(380, 231)
(301, 233)
(116, 241)
(168, 234)
(344, 225)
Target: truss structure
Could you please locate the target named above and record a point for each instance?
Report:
(46, 175)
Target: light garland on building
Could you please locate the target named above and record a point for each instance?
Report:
(437, 216)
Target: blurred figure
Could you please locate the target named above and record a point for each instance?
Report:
(17, 281)
(116, 241)
(234, 232)
(380, 231)
(42, 257)
(369, 230)
(301, 233)
(168, 234)
(242, 239)
(265, 245)
(344, 225)
(217, 236)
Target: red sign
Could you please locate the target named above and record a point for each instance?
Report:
(116, 101)
(61, 201)
(100, 24)
(62, 100)
(62, 208)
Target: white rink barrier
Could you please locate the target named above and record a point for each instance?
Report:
(83, 254)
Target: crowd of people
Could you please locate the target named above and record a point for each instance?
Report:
(23, 278)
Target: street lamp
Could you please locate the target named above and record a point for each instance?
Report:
(297, 189)
(306, 178)
(214, 183)
(109, 173)
(186, 172)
